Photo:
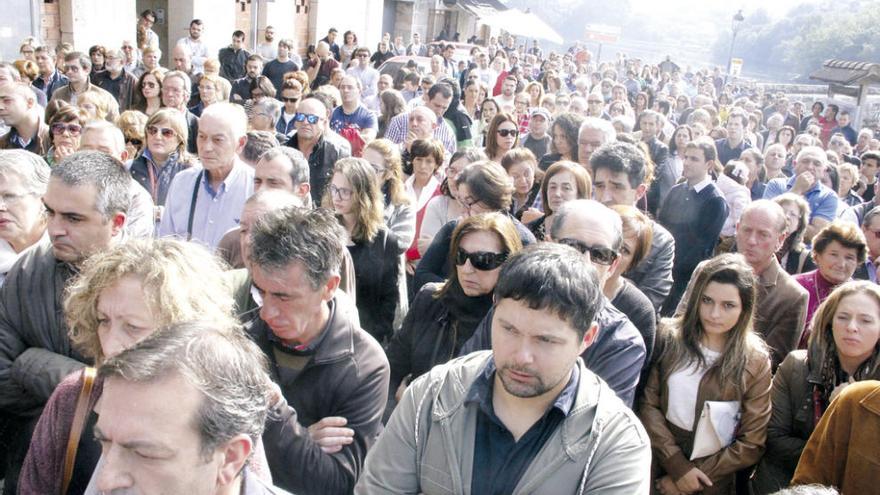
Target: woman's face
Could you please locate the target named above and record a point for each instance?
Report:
(521, 104)
(535, 91)
(89, 108)
(423, 168)
(846, 182)
(472, 205)
(377, 161)
(123, 317)
(475, 282)
(523, 176)
(615, 111)
(561, 188)
(207, 92)
(720, 307)
(21, 212)
(342, 194)
(681, 140)
(161, 139)
(472, 93)
(66, 137)
(560, 140)
(856, 326)
(150, 87)
(97, 59)
(452, 171)
(488, 112)
(785, 137)
(630, 243)
(505, 136)
(641, 102)
(792, 217)
(837, 262)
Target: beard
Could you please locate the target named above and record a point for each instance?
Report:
(534, 387)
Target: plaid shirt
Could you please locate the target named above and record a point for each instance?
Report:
(399, 125)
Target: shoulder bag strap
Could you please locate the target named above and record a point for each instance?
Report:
(79, 421)
(192, 205)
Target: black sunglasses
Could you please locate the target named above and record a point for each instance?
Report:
(311, 119)
(481, 260)
(508, 132)
(289, 100)
(600, 255)
(134, 142)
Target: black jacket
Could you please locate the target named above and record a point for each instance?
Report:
(321, 161)
(376, 268)
(347, 376)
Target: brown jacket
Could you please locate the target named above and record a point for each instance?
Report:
(39, 145)
(672, 446)
(66, 93)
(842, 451)
(780, 309)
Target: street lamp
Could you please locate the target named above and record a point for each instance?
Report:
(735, 24)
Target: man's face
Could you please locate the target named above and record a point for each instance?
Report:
(75, 73)
(113, 64)
(436, 64)
(592, 232)
(254, 68)
(589, 140)
(283, 51)
(269, 35)
(217, 145)
(291, 307)
(648, 126)
(872, 236)
(306, 130)
(595, 106)
(273, 174)
(537, 125)
(150, 442)
(734, 129)
(422, 123)
(694, 166)
(757, 237)
(237, 42)
(195, 31)
(331, 36)
(385, 82)
(348, 88)
(181, 59)
(45, 63)
(101, 140)
(174, 94)
(508, 87)
(843, 120)
(869, 168)
(534, 350)
(151, 60)
(438, 104)
(76, 228)
(249, 216)
(128, 50)
(614, 189)
(14, 108)
(448, 53)
(810, 162)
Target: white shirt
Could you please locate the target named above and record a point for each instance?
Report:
(683, 386)
(426, 194)
(269, 51)
(699, 186)
(198, 52)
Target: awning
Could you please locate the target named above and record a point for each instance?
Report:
(848, 73)
(481, 8)
(522, 24)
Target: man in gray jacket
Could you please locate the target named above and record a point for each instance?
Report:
(527, 417)
(86, 204)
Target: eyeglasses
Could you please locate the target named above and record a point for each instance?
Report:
(134, 142)
(508, 132)
(481, 260)
(342, 193)
(310, 118)
(73, 129)
(599, 255)
(380, 169)
(166, 132)
(289, 100)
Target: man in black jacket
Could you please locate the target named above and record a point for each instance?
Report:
(333, 374)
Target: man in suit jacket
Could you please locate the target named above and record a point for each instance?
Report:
(871, 229)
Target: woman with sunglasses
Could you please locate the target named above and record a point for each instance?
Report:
(502, 136)
(132, 124)
(65, 128)
(483, 187)
(443, 316)
(164, 154)
(148, 92)
(353, 193)
(707, 361)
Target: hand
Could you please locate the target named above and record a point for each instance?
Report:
(331, 435)
(666, 486)
(62, 151)
(411, 267)
(693, 481)
(401, 388)
(531, 215)
(803, 183)
(410, 137)
(275, 395)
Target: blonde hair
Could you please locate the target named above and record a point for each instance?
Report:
(181, 281)
(101, 109)
(393, 170)
(175, 121)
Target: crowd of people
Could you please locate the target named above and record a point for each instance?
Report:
(506, 271)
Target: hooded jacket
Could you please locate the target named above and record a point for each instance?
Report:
(428, 446)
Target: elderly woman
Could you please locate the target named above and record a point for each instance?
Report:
(843, 349)
(263, 116)
(794, 255)
(119, 299)
(133, 123)
(211, 90)
(563, 181)
(65, 127)
(522, 167)
(164, 155)
(838, 249)
(23, 180)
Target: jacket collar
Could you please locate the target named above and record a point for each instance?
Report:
(770, 276)
(871, 401)
(337, 341)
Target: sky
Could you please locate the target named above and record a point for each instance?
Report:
(776, 8)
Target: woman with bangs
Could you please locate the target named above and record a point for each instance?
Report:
(501, 136)
(564, 181)
(522, 167)
(118, 299)
(65, 130)
(164, 154)
(94, 106)
(132, 124)
(708, 359)
(354, 195)
(844, 348)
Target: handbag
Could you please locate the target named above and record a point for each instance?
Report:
(80, 417)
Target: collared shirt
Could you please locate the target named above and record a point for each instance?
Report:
(499, 459)
(871, 268)
(215, 212)
(822, 200)
(49, 84)
(699, 186)
(369, 78)
(399, 126)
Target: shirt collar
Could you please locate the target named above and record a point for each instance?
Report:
(480, 391)
(699, 186)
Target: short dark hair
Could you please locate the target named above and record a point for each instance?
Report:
(196, 22)
(255, 57)
(80, 58)
(148, 13)
(620, 157)
(299, 167)
(423, 148)
(313, 238)
(871, 155)
(706, 145)
(553, 277)
(441, 88)
(238, 33)
(324, 98)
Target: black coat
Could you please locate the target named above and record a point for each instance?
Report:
(376, 269)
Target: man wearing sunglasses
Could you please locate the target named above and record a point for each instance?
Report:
(368, 76)
(311, 140)
(19, 110)
(529, 416)
(77, 66)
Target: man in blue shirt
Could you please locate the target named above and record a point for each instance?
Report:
(810, 166)
(205, 202)
(352, 120)
(733, 146)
